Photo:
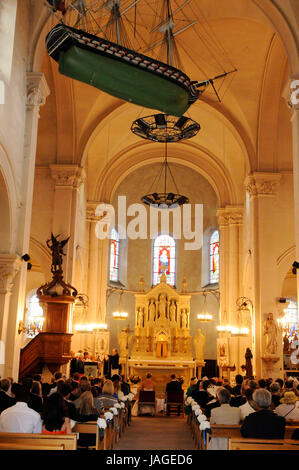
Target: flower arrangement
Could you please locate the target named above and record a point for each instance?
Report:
(135, 379)
(181, 379)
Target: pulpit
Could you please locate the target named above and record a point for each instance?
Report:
(52, 347)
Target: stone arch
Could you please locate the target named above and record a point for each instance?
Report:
(8, 203)
(190, 155)
(42, 255)
(284, 262)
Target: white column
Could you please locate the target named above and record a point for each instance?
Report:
(37, 92)
(98, 267)
(9, 267)
(230, 221)
(295, 131)
(262, 188)
(67, 180)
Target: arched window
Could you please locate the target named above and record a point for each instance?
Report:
(164, 255)
(214, 257)
(291, 316)
(114, 256)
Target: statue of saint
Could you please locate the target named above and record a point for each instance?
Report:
(199, 345)
(172, 311)
(270, 333)
(139, 316)
(123, 342)
(152, 311)
(184, 318)
(162, 306)
(248, 365)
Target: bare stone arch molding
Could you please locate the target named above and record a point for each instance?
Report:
(189, 155)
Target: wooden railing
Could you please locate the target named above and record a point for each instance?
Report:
(51, 349)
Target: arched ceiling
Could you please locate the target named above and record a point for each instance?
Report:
(80, 124)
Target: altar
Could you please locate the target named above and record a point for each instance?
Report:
(161, 343)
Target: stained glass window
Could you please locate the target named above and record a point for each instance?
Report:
(114, 255)
(164, 256)
(214, 257)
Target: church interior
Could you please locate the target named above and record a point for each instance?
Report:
(71, 168)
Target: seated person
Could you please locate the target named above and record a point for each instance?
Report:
(248, 407)
(173, 386)
(95, 393)
(5, 400)
(275, 392)
(55, 419)
(35, 400)
(65, 390)
(200, 394)
(237, 389)
(86, 411)
(288, 408)
(213, 400)
(192, 386)
(107, 398)
(19, 417)
(125, 387)
(224, 414)
(263, 424)
(148, 383)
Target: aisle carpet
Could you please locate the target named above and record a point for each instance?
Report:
(157, 433)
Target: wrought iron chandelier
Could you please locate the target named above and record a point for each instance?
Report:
(165, 128)
(164, 199)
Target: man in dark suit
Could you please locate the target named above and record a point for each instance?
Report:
(263, 424)
(124, 386)
(73, 364)
(173, 386)
(5, 400)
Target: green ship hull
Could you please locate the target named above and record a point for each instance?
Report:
(124, 81)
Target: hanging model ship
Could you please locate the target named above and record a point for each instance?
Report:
(118, 70)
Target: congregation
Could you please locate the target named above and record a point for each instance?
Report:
(263, 407)
(35, 406)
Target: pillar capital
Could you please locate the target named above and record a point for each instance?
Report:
(230, 215)
(9, 266)
(91, 209)
(67, 176)
(37, 89)
(262, 183)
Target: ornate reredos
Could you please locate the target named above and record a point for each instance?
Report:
(162, 315)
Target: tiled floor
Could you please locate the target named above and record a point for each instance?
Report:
(157, 433)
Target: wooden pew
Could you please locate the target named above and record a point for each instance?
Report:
(233, 431)
(224, 431)
(262, 444)
(9, 446)
(66, 441)
(91, 427)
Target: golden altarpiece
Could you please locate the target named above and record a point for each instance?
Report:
(161, 343)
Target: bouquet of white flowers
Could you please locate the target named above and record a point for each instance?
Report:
(101, 423)
(108, 415)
